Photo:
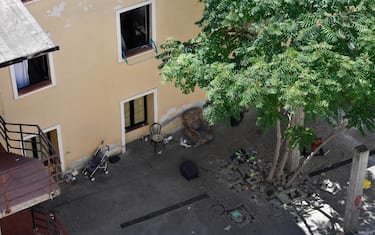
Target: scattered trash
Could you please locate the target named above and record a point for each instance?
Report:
(341, 202)
(367, 184)
(183, 143)
(145, 138)
(245, 188)
(228, 228)
(75, 172)
(330, 186)
(70, 177)
(244, 172)
(370, 173)
(167, 139)
(241, 156)
(283, 198)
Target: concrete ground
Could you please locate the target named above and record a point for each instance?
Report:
(143, 182)
(341, 149)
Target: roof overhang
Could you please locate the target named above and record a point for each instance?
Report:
(21, 37)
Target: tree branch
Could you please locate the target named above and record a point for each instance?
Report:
(335, 132)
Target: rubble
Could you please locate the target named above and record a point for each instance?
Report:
(244, 172)
(168, 139)
(227, 228)
(253, 180)
(237, 187)
(183, 143)
(283, 198)
(245, 187)
(262, 188)
(249, 177)
(253, 187)
(330, 186)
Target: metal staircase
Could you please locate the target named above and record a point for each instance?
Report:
(25, 181)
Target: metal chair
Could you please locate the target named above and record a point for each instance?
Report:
(156, 137)
(155, 129)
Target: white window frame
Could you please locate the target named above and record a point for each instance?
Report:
(52, 79)
(59, 140)
(118, 24)
(123, 131)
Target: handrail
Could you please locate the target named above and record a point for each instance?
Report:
(51, 225)
(45, 148)
(12, 135)
(3, 186)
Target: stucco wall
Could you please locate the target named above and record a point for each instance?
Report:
(90, 82)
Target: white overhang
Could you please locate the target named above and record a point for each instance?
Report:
(21, 37)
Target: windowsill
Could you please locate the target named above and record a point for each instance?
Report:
(34, 88)
(135, 127)
(142, 54)
(139, 50)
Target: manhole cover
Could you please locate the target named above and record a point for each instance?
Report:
(239, 216)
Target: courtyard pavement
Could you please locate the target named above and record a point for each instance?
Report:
(143, 182)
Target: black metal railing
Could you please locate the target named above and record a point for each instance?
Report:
(12, 139)
(14, 136)
(45, 221)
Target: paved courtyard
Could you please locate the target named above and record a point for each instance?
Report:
(150, 187)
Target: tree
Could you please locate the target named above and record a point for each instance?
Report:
(289, 60)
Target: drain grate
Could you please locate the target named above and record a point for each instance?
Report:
(239, 216)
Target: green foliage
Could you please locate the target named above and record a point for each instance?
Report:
(318, 55)
(300, 136)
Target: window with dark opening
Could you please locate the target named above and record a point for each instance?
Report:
(135, 113)
(32, 74)
(135, 31)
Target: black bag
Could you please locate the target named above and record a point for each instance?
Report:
(189, 170)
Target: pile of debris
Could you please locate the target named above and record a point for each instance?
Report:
(244, 172)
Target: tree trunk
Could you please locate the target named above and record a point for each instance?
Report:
(298, 119)
(280, 170)
(277, 151)
(337, 131)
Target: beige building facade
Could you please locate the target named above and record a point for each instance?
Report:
(103, 83)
